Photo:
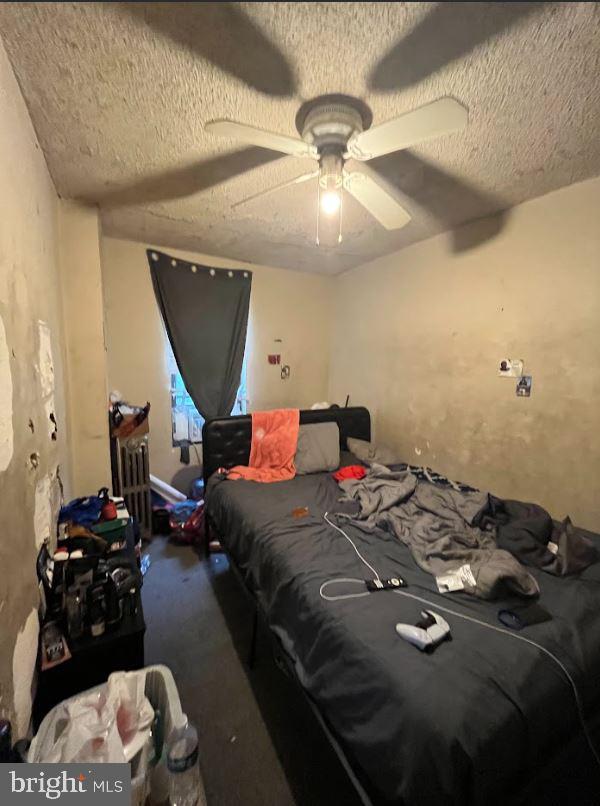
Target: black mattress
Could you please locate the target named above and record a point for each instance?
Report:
(487, 718)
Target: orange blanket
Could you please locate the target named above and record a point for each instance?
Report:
(274, 443)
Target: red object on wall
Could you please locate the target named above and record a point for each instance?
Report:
(274, 359)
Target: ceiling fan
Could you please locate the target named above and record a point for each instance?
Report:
(335, 129)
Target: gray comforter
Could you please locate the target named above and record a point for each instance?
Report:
(436, 523)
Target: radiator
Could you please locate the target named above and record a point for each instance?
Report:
(131, 478)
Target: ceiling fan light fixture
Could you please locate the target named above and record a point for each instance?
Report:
(331, 172)
(331, 178)
(331, 201)
(329, 217)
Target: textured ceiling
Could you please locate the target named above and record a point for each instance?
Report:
(119, 94)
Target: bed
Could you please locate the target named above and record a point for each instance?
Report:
(487, 718)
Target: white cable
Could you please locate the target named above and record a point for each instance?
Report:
(436, 606)
(360, 557)
(342, 595)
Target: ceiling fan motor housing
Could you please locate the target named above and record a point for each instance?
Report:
(329, 126)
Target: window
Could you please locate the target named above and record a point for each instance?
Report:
(186, 421)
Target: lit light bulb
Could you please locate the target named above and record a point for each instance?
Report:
(329, 210)
(330, 202)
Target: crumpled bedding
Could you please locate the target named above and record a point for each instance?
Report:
(437, 524)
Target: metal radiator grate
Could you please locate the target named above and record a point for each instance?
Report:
(131, 478)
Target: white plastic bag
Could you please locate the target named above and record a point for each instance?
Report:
(134, 714)
(110, 725)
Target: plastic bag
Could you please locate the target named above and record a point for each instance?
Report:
(110, 725)
(191, 531)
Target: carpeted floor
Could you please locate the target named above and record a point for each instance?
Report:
(259, 741)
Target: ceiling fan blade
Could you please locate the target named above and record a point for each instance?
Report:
(451, 200)
(259, 137)
(297, 181)
(376, 199)
(223, 34)
(432, 120)
(448, 32)
(182, 182)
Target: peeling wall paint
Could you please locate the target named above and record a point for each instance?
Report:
(32, 354)
(23, 667)
(43, 511)
(6, 426)
(45, 371)
(45, 365)
(47, 505)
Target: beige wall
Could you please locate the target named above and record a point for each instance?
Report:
(292, 306)
(29, 390)
(418, 336)
(81, 283)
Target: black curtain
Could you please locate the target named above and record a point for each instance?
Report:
(205, 311)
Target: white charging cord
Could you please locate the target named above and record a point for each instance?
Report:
(353, 544)
(436, 606)
(342, 595)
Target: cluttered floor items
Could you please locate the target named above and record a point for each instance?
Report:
(91, 579)
(179, 518)
(91, 616)
(95, 702)
(134, 717)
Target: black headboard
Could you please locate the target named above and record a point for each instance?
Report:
(226, 440)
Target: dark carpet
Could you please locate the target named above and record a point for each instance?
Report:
(259, 741)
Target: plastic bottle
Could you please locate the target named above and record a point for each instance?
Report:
(185, 783)
(5, 741)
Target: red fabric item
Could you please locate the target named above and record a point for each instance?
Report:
(350, 472)
(274, 444)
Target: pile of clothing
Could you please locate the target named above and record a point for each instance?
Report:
(448, 526)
